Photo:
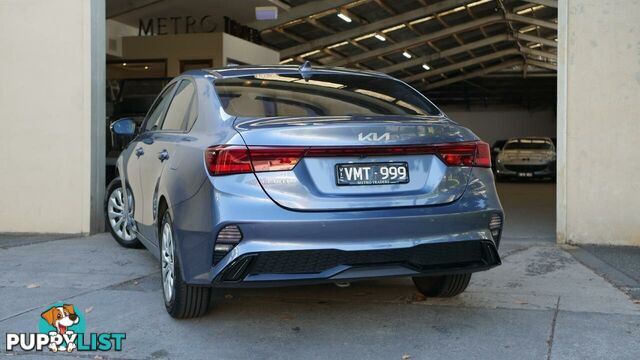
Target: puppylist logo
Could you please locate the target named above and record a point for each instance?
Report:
(62, 329)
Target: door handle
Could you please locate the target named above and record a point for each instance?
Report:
(139, 152)
(163, 155)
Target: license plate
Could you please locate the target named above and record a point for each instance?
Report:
(372, 173)
(525, 174)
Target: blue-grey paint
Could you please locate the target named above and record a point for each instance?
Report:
(303, 208)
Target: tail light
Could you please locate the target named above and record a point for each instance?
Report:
(227, 160)
(231, 159)
(466, 154)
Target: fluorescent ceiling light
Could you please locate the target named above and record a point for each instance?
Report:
(478, 3)
(407, 54)
(527, 29)
(286, 61)
(310, 53)
(337, 45)
(528, 10)
(445, 13)
(266, 13)
(380, 37)
(394, 28)
(365, 37)
(418, 21)
(344, 17)
(426, 67)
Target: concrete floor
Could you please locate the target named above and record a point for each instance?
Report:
(540, 304)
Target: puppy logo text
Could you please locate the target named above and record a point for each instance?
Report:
(62, 329)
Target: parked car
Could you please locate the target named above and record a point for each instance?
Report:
(278, 175)
(527, 157)
(495, 150)
(128, 98)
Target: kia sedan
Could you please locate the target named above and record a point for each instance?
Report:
(282, 175)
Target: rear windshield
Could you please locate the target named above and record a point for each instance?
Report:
(529, 144)
(269, 95)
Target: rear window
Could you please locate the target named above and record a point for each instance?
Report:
(270, 95)
(529, 144)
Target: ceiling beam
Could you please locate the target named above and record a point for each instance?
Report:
(474, 74)
(542, 64)
(299, 12)
(444, 53)
(531, 21)
(519, 75)
(281, 4)
(547, 3)
(460, 65)
(534, 52)
(420, 40)
(537, 39)
(370, 28)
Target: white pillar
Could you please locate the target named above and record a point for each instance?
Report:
(52, 115)
(599, 122)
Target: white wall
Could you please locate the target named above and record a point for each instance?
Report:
(49, 84)
(498, 123)
(215, 46)
(115, 32)
(247, 52)
(599, 121)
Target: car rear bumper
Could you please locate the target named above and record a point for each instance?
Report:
(280, 246)
(277, 268)
(526, 170)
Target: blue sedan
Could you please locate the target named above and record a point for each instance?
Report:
(283, 175)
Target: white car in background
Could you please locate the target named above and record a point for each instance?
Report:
(527, 157)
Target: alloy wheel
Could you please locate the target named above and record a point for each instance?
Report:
(120, 214)
(168, 269)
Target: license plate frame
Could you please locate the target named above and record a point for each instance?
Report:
(375, 178)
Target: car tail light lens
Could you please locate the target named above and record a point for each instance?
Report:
(483, 154)
(232, 159)
(227, 160)
(466, 154)
(275, 159)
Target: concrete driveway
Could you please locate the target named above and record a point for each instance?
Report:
(540, 304)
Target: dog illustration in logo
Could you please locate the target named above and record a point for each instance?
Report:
(61, 318)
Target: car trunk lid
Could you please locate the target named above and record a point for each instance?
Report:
(330, 143)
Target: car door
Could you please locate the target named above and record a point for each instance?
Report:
(159, 150)
(140, 152)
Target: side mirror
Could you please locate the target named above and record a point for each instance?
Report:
(124, 127)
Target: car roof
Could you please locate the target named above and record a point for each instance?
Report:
(530, 138)
(248, 70)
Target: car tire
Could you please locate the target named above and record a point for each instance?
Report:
(180, 299)
(442, 286)
(115, 218)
